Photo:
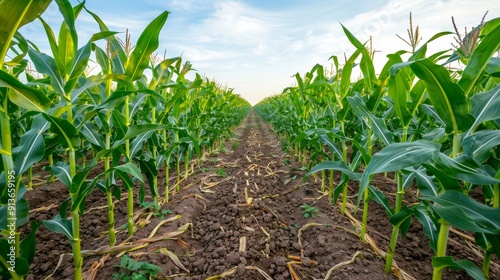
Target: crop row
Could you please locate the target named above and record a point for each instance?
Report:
(434, 126)
(138, 116)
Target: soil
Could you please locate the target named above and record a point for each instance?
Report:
(264, 236)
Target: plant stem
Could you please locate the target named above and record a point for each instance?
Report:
(441, 246)
(390, 251)
(444, 229)
(496, 195)
(344, 185)
(186, 165)
(130, 211)
(486, 263)
(399, 201)
(330, 181)
(77, 257)
(395, 229)
(323, 180)
(30, 178)
(8, 165)
(127, 123)
(178, 171)
(52, 177)
(344, 196)
(167, 175)
(366, 195)
(111, 219)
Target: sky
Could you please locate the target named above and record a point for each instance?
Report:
(257, 46)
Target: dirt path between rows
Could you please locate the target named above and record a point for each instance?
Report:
(242, 209)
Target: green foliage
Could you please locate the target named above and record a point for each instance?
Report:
(133, 270)
(309, 211)
(221, 172)
(436, 127)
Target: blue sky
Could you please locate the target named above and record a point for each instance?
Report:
(256, 46)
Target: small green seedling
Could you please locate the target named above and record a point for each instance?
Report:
(221, 172)
(235, 145)
(309, 211)
(132, 270)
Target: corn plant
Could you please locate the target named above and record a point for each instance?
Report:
(434, 125)
(16, 255)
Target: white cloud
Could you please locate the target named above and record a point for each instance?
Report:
(256, 47)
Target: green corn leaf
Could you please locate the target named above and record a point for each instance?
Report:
(479, 59)
(90, 133)
(465, 213)
(127, 182)
(448, 262)
(22, 265)
(488, 242)
(335, 165)
(479, 145)
(376, 124)
(345, 81)
(28, 244)
(24, 96)
(398, 92)
(89, 82)
(102, 35)
(31, 149)
(165, 155)
(16, 14)
(59, 225)
(447, 97)
(76, 184)
(379, 89)
(366, 63)
(120, 58)
(421, 52)
(136, 144)
(66, 130)
(148, 168)
(114, 99)
(53, 46)
(402, 219)
(136, 104)
(485, 107)
(67, 50)
(118, 121)
(47, 65)
(334, 148)
(380, 198)
(425, 183)
(398, 156)
(135, 130)
(146, 45)
(431, 111)
(61, 170)
(489, 26)
(456, 215)
(69, 19)
(493, 67)
(463, 168)
(22, 207)
(79, 201)
(428, 225)
(79, 65)
(437, 134)
(130, 168)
